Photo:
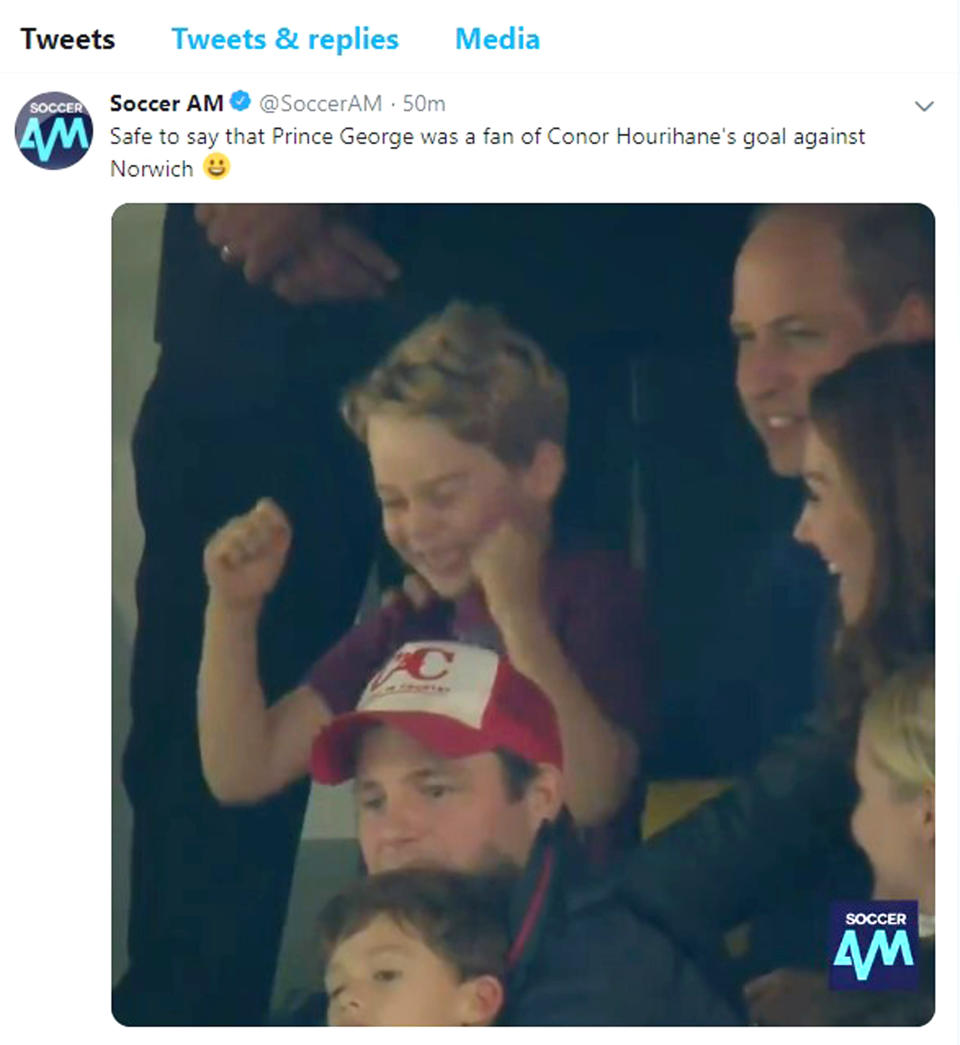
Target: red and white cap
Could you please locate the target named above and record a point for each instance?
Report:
(454, 699)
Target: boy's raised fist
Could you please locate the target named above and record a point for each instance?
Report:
(244, 559)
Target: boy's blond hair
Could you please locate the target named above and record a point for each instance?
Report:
(898, 724)
(467, 368)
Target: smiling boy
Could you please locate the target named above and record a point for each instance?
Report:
(464, 423)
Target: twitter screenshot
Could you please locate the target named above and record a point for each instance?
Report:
(519, 526)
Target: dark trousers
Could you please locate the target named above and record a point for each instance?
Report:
(209, 884)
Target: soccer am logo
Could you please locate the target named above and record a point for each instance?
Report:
(873, 945)
(54, 130)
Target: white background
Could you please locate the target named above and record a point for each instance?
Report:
(690, 64)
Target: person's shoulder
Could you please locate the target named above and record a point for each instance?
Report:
(600, 963)
(591, 957)
(574, 564)
(595, 595)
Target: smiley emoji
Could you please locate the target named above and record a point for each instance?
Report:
(216, 166)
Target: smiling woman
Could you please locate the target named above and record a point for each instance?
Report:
(875, 419)
(834, 522)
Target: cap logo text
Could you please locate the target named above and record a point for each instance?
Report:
(417, 664)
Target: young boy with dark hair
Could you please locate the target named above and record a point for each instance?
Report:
(421, 947)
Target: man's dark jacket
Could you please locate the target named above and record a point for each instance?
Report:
(584, 955)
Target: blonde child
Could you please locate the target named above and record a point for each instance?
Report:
(894, 821)
(894, 824)
(464, 423)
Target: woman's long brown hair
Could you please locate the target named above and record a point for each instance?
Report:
(877, 415)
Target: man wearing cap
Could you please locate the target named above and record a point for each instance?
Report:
(457, 762)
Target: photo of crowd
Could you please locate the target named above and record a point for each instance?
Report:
(593, 547)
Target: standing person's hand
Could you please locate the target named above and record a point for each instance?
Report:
(307, 252)
(339, 264)
(258, 237)
(244, 559)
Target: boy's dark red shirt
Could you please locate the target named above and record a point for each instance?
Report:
(593, 600)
